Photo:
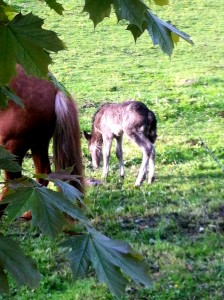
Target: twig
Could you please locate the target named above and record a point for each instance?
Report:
(211, 154)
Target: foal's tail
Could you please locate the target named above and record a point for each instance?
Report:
(66, 140)
(153, 127)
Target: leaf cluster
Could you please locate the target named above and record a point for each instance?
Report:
(23, 40)
(113, 261)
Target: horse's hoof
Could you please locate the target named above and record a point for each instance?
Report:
(27, 215)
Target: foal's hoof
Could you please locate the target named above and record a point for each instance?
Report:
(137, 185)
(92, 182)
(153, 179)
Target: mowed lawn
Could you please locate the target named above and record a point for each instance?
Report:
(177, 223)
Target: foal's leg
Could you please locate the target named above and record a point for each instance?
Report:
(147, 147)
(107, 142)
(119, 154)
(41, 160)
(151, 176)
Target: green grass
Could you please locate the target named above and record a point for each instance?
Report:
(177, 223)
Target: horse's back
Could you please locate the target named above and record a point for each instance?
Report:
(37, 119)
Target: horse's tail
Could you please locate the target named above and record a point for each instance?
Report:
(153, 127)
(66, 140)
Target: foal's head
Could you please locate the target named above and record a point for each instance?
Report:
(95, 148)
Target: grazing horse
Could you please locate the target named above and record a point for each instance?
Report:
(131, 118)
(47, 113)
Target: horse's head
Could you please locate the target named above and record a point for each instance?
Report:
(95, 149)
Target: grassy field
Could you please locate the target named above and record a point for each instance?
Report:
(178, 222)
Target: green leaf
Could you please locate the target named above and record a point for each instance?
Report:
(58, 84)
(69, 191)
(7, 13)
(24, 41)
(135, 30)
(47, 208)
(97, 9)
(79, 256)
(3, 99)
(21, 267)
(131, 10)
(53, 4)
(160, 33)
(10, 95)
(4, 286)
(109, 258)
(7, 161)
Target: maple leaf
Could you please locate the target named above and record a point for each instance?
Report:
(47, 208)
(131, 10)
(140, 18)
(21, 267)
(53, 4)
(160, 33)
(7, 12)
(7, 161)
(97, 9)
(5, 94)
(23, 41)
(110, 259)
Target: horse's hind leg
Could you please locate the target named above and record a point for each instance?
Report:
(119, 154)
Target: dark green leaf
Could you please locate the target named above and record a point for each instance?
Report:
(135, 30)
(7, 13)
(97, 9)
(4, 286)
(109, 258)
(53, 4)
(10, 95)
(121, 254)
(69, 191)
(79, 256)
(7, 161)
(3, 99)
(160, 33)
(46, 206)
(24, 41)
(58, 85)
(131, 10)
(21, 267)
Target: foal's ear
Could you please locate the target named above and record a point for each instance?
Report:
(87, 136)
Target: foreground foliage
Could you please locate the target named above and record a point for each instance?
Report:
(23, 40)
(48, 209)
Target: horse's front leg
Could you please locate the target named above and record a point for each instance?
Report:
(107, 142)
(119, 154)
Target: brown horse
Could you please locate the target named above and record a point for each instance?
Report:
(48, 113)
(131, 118)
